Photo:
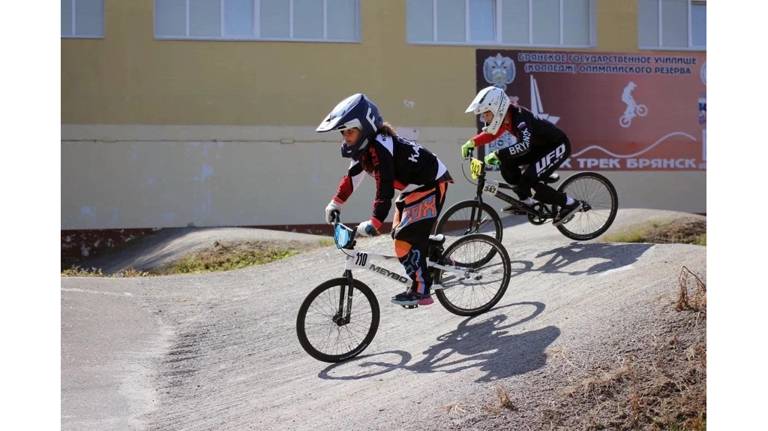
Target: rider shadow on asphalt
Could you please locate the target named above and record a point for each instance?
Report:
(573, 258)
(483, 343)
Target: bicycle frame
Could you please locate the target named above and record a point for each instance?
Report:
(362, 259)
(493, 187)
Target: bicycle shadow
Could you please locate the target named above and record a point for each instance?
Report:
(486, 345)
(480, 342)
(614, 256)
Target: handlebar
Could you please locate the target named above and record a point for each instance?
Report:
(343, 235)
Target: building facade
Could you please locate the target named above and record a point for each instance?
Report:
(202, 112)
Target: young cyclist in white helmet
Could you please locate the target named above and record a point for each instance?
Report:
(539, 148)
(396, 164)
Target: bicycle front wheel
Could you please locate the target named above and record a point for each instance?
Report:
(333, 325)
(468, 217)
(602, 203)
(483, 281)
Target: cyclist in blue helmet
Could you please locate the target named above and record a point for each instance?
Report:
(396, 164)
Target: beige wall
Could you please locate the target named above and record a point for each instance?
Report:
(165, 176)
(171, 133)
(128, 77)
(162, 176)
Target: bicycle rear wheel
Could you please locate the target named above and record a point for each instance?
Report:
(468, 217)
(602, 203)
(484, 280)
(331, 327)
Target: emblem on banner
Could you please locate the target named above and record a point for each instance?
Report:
(499, 71)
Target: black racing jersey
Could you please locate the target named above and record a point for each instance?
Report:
(396, 164)
(530, 132)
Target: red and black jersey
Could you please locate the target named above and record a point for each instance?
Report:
(396, 164)
(529, 132)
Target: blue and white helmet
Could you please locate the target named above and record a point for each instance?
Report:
(356, 111)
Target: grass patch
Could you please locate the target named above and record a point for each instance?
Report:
(227, 257)
(76, 271)
(682, 231)
(218, 257)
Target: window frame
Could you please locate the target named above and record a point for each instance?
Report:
(74, 35)
(660, 15)
(498, 29)
(257, 27)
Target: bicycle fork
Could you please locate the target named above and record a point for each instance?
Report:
(344, 312)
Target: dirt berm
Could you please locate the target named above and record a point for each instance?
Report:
(219, 351)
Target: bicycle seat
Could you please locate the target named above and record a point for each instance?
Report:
(438, 239)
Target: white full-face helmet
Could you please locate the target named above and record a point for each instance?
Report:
(492, 99)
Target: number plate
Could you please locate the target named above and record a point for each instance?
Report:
(361, 259)
(490, 188)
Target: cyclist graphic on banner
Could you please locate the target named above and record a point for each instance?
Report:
(633, 108)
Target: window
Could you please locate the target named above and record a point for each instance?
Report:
(82, 18)
(539, 23)
(672, 24)
(300, 20)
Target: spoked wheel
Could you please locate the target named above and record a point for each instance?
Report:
(332, 327)
(599, 205)
(468, 217)
(483, 281)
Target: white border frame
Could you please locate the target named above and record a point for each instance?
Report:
(660, 18)
(74, 34)
(257, 27)
(591, 22)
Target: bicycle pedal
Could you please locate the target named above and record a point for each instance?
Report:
(409, 307)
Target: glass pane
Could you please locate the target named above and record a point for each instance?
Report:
(546, 22)
(576, 22)
(419, 17)
(648, 23)
(514, 22)
(204, 18)
(342, 19)
(238, 17)
(275, 20)
(482, 20)
(450, 21)
(699, 24)
(674, 23)
(170, 17)
(308, 19)
(89, 17)
(66, 17)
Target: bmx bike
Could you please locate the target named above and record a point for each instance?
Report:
(597, 196)
(339, 318)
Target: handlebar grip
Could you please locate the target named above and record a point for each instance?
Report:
(469, 156)
(335, 216)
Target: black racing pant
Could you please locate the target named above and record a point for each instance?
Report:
(415, 214)
(542, 162)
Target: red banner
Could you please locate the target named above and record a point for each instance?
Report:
(643, 111)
